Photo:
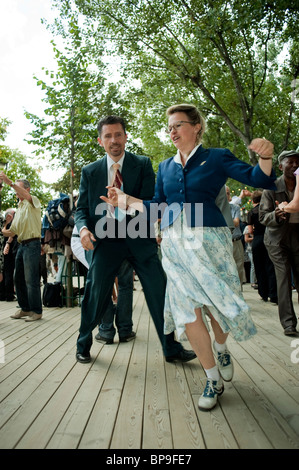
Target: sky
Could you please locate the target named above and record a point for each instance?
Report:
(24, 49)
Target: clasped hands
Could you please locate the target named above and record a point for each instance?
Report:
(115, 197)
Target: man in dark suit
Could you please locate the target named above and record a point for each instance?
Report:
(107, 243)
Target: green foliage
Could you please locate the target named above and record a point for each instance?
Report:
(221, 56)
(75, 98)
(19, 168)
(4, 123)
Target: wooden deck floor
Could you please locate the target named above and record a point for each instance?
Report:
(130, 398)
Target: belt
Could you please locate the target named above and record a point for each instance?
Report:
(75, 235)
(236, 239)
(25, 242)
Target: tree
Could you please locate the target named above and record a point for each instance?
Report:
(19, 168)
(223, 56)
(76, 97)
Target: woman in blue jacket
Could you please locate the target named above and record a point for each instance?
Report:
(197, 255)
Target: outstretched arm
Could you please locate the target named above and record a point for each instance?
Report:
(292, 206)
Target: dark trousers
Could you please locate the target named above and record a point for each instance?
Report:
(26, 277)
(7, 289)
(285, 258)
(107, 259)
(124, 308)
(264, 269)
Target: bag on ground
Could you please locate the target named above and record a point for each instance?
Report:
(52, 294)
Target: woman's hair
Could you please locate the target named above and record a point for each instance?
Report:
(192, 113)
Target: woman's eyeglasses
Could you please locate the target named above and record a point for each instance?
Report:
(176, 126)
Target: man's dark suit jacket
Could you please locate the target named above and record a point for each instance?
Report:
(138, 181)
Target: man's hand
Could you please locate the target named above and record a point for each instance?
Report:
(279, 212)
(245, 193)
(87, 238)
(281, 205)
(5, 178)
(8, 218)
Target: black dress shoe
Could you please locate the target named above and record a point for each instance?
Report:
(290, 331)
(182, 356)
(129, 337)
(83, 359)
(103, 340)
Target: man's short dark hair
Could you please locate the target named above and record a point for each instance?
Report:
(111, 120)
(256, 196)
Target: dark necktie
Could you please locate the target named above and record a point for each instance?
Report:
(117, 180)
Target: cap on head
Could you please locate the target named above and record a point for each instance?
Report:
(287, 154)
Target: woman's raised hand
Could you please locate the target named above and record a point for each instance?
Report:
(115, 197)
(262, 147)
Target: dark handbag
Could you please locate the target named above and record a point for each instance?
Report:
(52, 294)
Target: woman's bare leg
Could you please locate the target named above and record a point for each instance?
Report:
(200, 341)
(220, 337)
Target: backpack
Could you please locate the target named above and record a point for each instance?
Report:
(57, 212)
(52, 295)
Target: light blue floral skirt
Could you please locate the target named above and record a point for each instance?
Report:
(201, 272)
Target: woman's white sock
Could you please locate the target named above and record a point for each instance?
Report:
(220, 347)
(213, 373)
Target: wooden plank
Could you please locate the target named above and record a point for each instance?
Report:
(215, 429)
(26, 403)
(156, 421)
(275, 393)
(132, 401)
(242, 423)
(99, 428)
(32, 340)
(277, 430)
(25, 365)
(65, 395)
(40, 432)
(186, 430)
(130, 398)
